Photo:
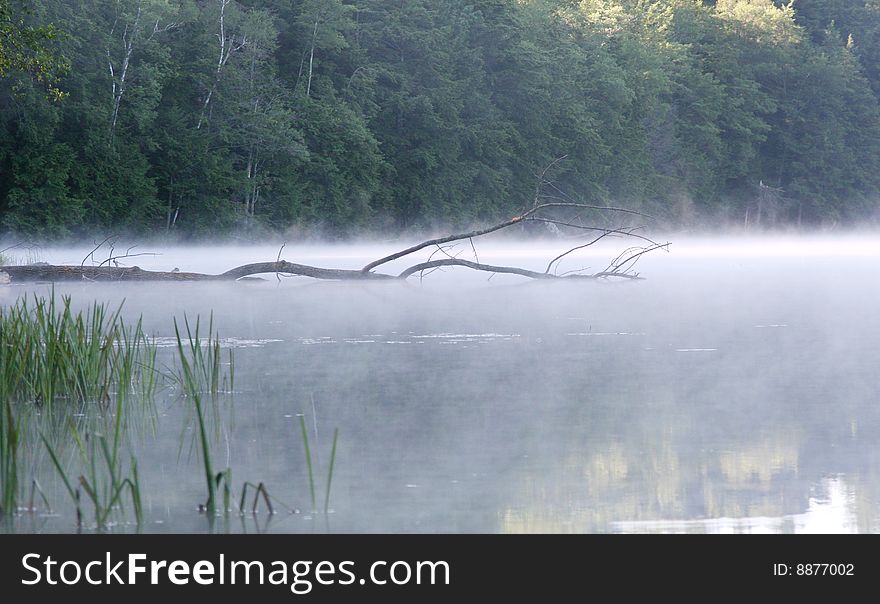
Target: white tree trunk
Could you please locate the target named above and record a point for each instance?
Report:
(128, 40)
(130, 35)
(228, 46)
(312, 60)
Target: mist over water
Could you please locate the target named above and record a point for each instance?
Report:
(735, 389)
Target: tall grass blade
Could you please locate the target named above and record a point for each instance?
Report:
(74, 493)
(305, 435)
(192, 388)
(330, 471)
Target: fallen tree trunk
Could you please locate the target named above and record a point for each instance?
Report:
(620, 267)
(52, 272)
(58, 273)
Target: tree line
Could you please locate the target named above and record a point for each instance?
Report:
(341, 117)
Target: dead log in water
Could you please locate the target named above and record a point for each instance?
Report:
(620, 267)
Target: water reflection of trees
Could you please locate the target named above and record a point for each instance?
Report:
(679, 478)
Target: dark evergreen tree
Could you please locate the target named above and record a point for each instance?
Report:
(338, 117)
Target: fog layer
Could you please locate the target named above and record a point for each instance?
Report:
(734, 389)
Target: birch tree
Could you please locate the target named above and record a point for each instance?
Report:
(323, 23)
(268, 136)
(134, 24)
(230, 40)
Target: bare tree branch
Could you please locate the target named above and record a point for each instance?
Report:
(527, 215)
(511, 270)
(574, 249)
(540, 213)
(97, 247)
(542, 181)
(631, 256)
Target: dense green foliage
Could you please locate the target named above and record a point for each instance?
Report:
(23, 46)
(335, 117)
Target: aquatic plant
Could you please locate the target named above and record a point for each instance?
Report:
(10, 431)
(193, 374)
(330, 471)
(50, 353)
(200, 360)
(86, 360)
(103, 482)
(99, 367)
(310, 466)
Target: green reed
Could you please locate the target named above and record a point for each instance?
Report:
(10, 434)
(49, 353)
(200, 373)
(59, 361)
(203, 372)
(192, 375)
(69, 380)
(103, 481)
(310, 465)
(330, 471)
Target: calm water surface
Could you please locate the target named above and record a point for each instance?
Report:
(733, 390)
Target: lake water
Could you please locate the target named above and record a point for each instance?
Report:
(735, 389)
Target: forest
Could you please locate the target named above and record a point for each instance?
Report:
(341, 118)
